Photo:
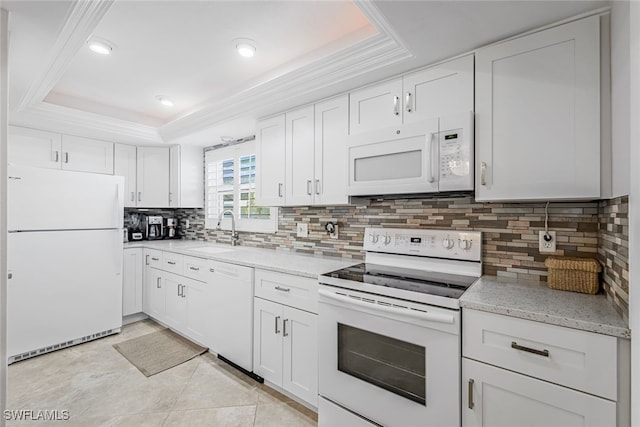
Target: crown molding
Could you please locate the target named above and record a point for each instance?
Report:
(67, 120)
(83, 18)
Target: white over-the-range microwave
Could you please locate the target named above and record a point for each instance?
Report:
(430, 156)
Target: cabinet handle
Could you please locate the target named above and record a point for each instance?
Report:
(57, 158)
(278, 288)
(146, 260)
(471, 405)
(432, 179)
(515, 345)
(483, 173)
(184, 288)
(171, 262)
(396, 111)
(133, 196)
(407, 102)
(195, 268)
(155, 259)
(317, 186)
(276, 319)
(309, 187)
(66, 157)
(158, 285)
(284, 328)
(139, 196)
(179, 286)
(212, 270)
(9, 275)
(279, 189)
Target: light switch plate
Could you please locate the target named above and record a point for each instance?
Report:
(547, 246)
(302, 229)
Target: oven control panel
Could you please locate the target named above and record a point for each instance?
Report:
(453, 244)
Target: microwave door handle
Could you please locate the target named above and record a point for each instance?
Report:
(430, 317)
(432, 178)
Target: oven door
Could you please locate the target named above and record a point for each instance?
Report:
(393, 362)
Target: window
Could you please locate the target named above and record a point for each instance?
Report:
(230, 185)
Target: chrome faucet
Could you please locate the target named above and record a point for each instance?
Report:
(234, 234)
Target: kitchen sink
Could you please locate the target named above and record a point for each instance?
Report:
(210, 249)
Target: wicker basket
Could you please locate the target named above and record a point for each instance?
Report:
(573, 274)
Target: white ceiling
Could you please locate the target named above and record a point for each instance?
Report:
(184, 50)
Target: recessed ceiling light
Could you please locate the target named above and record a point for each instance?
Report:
(164, 101)
(245, 47)
(99, 46)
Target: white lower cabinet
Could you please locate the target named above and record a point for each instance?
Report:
(285, 348)
(154, 296)
(175, 303)
(495, 397)
(132, 281)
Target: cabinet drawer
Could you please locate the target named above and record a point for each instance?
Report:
(172, 262)
(153, 258)
(294, 291)
(578, 359)
(196, 268)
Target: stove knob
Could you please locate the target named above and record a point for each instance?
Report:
(387, 239)
(464, 244)
(448, 243)
(374, 237)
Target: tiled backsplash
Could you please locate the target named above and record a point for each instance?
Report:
(510, 232)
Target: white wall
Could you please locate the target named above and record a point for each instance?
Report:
(634, 209)
(4, 53)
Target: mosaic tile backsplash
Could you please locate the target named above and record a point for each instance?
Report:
(510, 232)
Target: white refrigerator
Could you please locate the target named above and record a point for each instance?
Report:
(64, 259)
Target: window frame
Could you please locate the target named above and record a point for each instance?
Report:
(235, 152)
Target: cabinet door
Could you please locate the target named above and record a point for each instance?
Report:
(267, 340)
(176, 303)
(538, 115)
(124, 164)
(375, 107)
(438, 91)
(494, 397)
(199, 314)
(299, 157)
(270, 162)
(153, 177)
(300, 354)
(34, 147)
(87, 155)
(132, 268)
(174, 176)
(155, 301)
(332, 129)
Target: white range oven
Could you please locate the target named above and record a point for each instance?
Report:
(389, 330)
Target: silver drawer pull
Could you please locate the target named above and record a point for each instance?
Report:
(284, 328)
(281, 289)
(515, 345)
(171, 262)
(470, 403)
(212, 270)
(158, 283)
(194, 268)
(155, 259)
(276, 325)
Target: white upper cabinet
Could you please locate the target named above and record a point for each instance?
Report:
(299, 154)
(153, 177)
(436, 91)
(538, 115)
(270, 161)
(186, 176)
(331, 131)
(34, 147)
(125, 165)
(54, 151)
(174, 176)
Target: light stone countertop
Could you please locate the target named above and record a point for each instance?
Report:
(268, 259)
(536, 301)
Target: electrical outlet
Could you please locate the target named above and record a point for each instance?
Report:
(302, 229)
(186, 223)
(545, 245)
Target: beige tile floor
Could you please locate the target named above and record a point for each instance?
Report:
(101, 388)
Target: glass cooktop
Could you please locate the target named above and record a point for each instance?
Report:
(406, 279)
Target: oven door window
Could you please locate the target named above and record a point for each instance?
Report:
(394, 365)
